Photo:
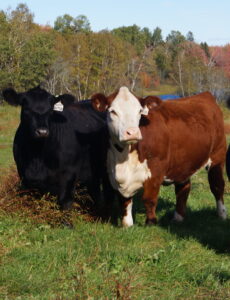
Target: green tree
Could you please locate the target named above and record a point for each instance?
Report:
(36, 56)
(134, 35)
(68, 24)
(190, 37)
(156, 38)
(81, 24)
(25, 50)
(205, 47)
(147, 36)
(175, 38)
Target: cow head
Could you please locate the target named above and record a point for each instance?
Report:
(124, 114)
(36, 108)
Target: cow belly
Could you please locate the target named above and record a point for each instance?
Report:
(127, 174)
(181, 174)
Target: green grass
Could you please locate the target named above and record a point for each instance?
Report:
(100, 261)
(161, 89)
(9, 118)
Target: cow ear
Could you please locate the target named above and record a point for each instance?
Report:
(11, 96)
(66, 99)
(150, 102)
(99, 102)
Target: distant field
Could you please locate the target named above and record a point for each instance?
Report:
(42, 257)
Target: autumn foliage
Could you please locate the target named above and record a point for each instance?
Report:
(70, 57)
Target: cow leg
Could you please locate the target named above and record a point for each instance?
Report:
(108, 200)
(182, 191)
(150, 198)
(126, 214)
(66, 191)
(216, 183)
(94, 191)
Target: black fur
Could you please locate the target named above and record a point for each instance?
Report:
(53, 150)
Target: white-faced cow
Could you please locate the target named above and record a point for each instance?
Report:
(53, 149)
(153, 142)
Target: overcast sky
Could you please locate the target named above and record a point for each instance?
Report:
(209, 20)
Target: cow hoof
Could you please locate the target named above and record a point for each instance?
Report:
(221, 210)
(177, 218)
(127, 223)
(150, 222)
(66, 206)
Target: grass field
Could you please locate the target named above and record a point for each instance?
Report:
(43, 259)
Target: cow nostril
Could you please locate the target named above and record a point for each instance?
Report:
(42, 132)
(131, 131)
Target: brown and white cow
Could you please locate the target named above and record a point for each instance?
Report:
(154, 142)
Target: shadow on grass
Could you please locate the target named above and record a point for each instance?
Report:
(203, 225)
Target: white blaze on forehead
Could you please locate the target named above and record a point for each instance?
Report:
(124, 116)
(126, 102)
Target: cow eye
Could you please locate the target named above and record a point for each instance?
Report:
(113, 112)
(141, 112)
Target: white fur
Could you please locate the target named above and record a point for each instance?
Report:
(177, 217)
(127, 174)
(167, 180)
(208, 164)
(127, 220)
(221, 210)
(124, 113)
(58, 106)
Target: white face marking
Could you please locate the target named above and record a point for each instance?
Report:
(177, 217)
(127, 174)
(124, 116)
(58, 106)
(127, 220)
(221, 210)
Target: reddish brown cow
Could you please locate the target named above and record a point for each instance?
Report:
(154, 142)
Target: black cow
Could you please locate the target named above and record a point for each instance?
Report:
(53, 149)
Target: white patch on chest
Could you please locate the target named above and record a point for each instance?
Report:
(127, 174)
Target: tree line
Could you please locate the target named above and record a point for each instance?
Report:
(70, 57)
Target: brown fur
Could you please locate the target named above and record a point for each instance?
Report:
(179, 137)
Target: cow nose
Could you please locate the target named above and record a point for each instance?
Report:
(42, 132)
(132, 133)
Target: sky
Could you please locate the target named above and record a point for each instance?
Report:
(208, 20)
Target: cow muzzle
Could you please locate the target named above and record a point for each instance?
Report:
(41, 132)
(131, 135)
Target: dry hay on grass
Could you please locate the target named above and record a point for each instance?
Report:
(42, 208)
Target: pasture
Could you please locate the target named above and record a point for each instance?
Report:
(45, 254)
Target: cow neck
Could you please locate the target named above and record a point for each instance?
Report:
(121, 150)
(117, 147)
